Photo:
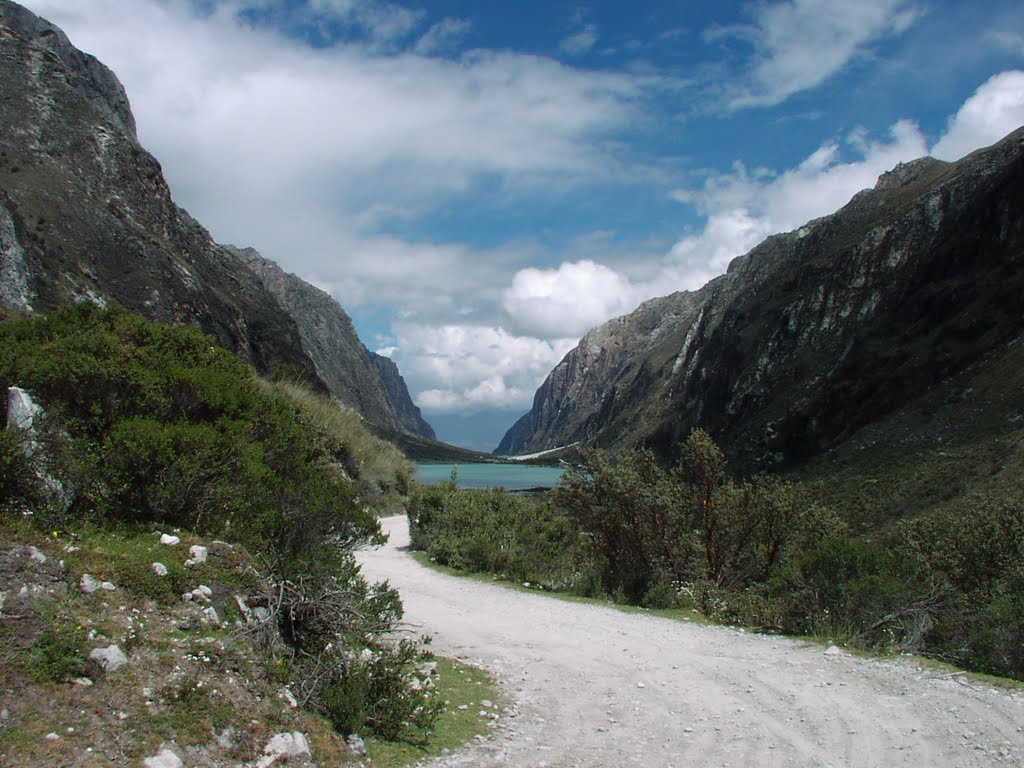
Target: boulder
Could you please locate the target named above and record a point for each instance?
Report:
(165, 758)
(198, 555)
(110, 659)
(284, 748)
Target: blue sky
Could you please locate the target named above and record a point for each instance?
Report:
(478, 184)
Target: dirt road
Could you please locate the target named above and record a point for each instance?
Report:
(592, 686)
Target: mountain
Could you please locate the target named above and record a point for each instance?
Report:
(85, 213)
(351, 372)
(408, 412)
(814, 333)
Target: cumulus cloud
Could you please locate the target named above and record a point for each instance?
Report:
(461, 368)
(567, 301)
(798, 44)
(995, 109)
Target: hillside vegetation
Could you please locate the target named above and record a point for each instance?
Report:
(151, 430)
(946, 581)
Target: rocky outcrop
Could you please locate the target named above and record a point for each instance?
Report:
(86, 214)
(342, 362)
(814, 333)
(408, 412)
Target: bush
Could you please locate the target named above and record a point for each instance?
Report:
(375, 690)
(493, 531)
(157, 425)
(58, 653)
(166, 426)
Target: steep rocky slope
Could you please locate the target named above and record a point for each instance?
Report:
(351, 372)
(814, 333)
(408, 412)
(85, 213)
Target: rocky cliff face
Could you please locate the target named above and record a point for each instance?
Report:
(85, 213)
(408, 413)
(814, 333)
(351, 372)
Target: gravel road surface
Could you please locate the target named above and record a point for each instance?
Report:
(593, 687)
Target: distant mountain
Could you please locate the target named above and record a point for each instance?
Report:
(814, 333)
(85, 213)
(408, 412)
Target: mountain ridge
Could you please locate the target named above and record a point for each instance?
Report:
(86, 214)
(813, 333)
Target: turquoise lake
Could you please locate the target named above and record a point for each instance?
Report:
(514, 477)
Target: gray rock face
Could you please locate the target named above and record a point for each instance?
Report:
(165, 758)
(110, 659)
(341, 360)
(409, 414)
(814, 333)
(85, 214)
(21, 409)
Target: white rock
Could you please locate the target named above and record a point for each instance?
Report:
(283, 748)
(165, 758)
(211, 614)
(21, 409)
(243, 607)
(159, 569)
(51, 736)
(170, 541)
(198, 555)
(36, 555)
(108, 586)
(110, 659)
(833, 651)
(85, 682)
(187, 597)
(355, 744)
(205, 590)
(88, 584)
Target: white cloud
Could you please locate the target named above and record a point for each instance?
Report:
(580, 42)
(798, 44)
(567, 301)
(995, 109)
(463, 368)
(742, 208)
(442, 37)
(227, 102)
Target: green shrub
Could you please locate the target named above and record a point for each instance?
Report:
(493, 531)
(166, 426)
(58, 653)
(374, 691)
(157, 426)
